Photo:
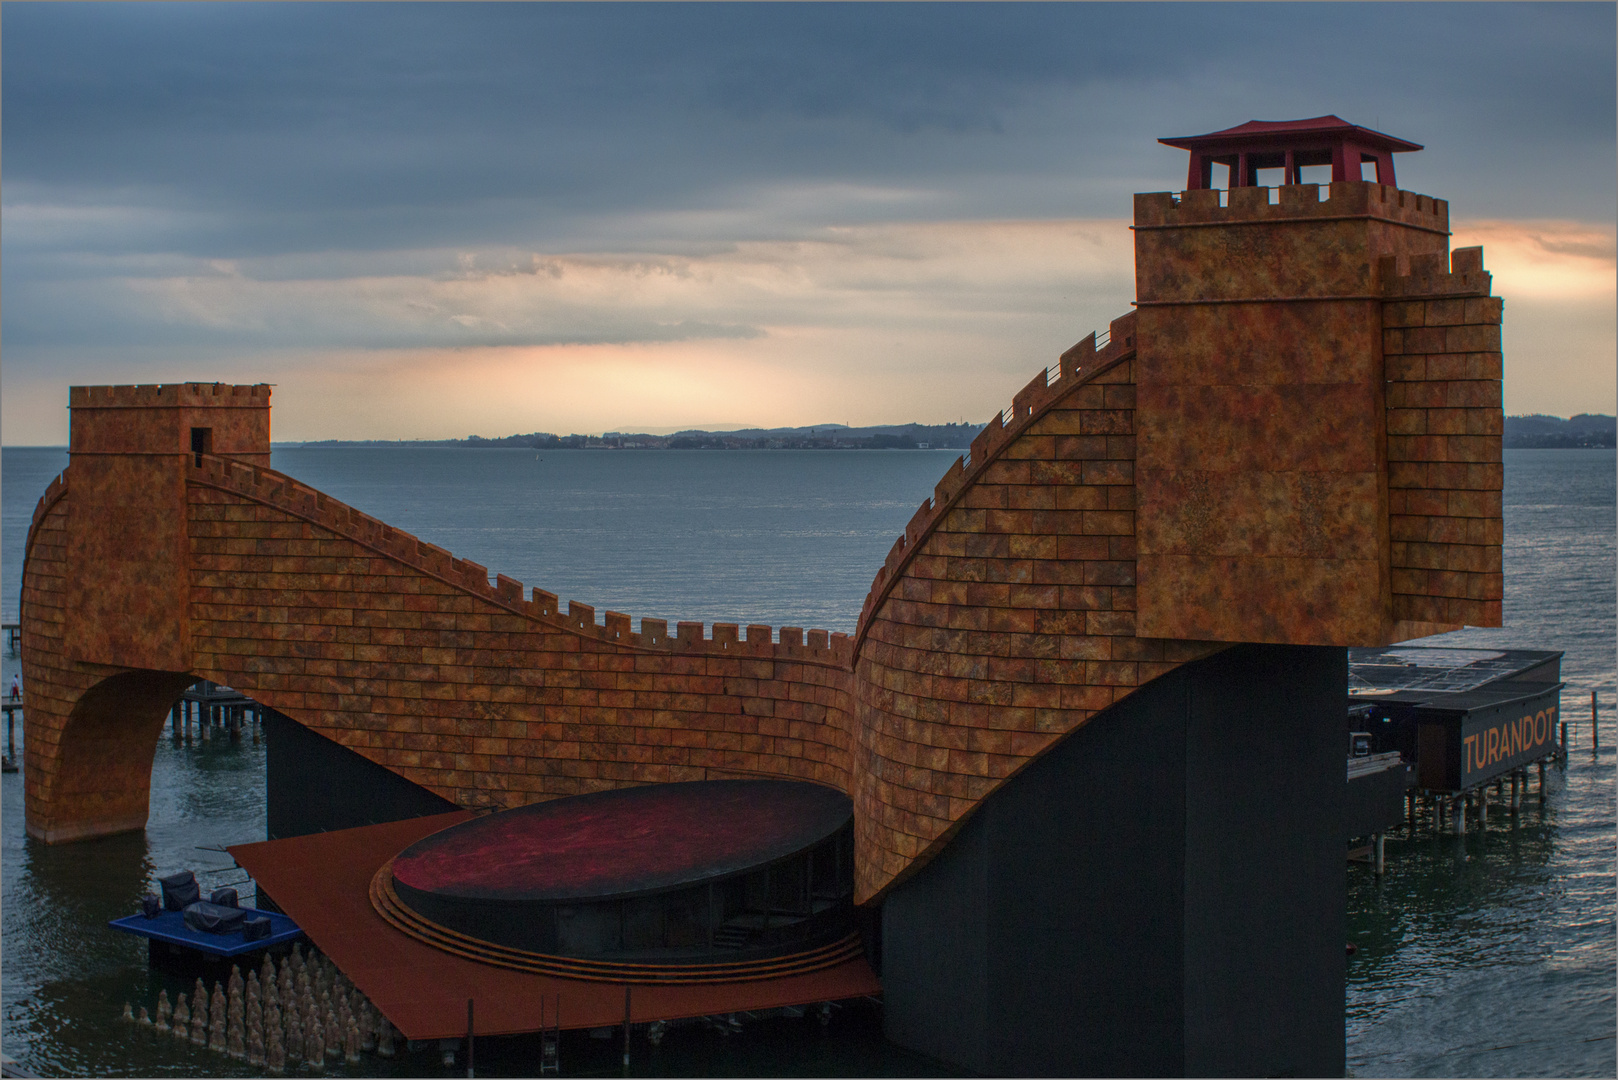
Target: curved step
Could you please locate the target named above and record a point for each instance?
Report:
(402, 918)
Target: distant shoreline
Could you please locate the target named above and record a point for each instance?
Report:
(1535, 432)
(818, 437)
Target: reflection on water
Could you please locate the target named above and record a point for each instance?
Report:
(1488, 954)
(1491, 954)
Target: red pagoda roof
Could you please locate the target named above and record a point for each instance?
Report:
(1281, 132)
(1290, 145)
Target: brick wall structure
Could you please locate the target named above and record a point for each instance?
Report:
(1441, 340)
(1007, 614)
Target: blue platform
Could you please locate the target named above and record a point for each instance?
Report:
(170, 928)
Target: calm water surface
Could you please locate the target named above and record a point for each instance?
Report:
(1491, 954)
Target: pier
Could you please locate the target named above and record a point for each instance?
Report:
(11, 706)
(1467, 724)
(215, 711)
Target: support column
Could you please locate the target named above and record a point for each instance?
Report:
(1145, 898)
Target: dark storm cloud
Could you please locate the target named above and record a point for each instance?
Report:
(149, 149)
(277, 128)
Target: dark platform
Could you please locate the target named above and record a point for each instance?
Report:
(323, 881)
(170, 928)
(703, 872)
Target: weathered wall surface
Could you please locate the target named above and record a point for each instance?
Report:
(1127, 514)
(1263, 471)
(1441, 339)
(91, 728)
(1012, 620)
(482, 694)
(490, 695)
(395, 649)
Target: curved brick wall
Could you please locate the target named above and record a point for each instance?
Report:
(391, 647)
(91, 729)
(1003, 618)
(1006, 617)
(491, 695)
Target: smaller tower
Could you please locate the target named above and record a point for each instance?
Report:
(130, 448)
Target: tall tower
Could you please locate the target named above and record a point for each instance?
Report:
(128, 551)
(1319, 401)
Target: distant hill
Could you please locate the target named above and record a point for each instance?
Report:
(1522, 433)
(814, 437)
(1537, 432)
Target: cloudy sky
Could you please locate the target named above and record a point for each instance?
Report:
(427, 221)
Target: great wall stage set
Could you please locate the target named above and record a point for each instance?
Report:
(1070, 797)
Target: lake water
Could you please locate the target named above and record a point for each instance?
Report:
(1491, 954)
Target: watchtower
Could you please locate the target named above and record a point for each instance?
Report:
(1280, 472)
(130, 447)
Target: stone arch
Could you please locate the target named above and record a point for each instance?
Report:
(105, 752)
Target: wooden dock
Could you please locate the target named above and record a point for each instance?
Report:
(10, 705)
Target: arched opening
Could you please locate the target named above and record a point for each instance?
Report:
(103, 759)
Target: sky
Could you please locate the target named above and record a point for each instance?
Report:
(434, 221)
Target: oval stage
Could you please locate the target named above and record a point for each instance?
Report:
(702, 881)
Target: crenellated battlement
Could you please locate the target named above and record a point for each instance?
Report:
(276, 489)
(196, 395)
(1290, 203)
(1075, 367)
(53, 491)
(1434, 274)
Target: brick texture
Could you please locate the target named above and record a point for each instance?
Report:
(1441, 342)
(1006, 619)
(1313, 468)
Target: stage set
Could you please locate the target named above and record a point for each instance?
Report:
(1070, 799)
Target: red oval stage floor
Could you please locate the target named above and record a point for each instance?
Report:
(323, 881)
(622, 843)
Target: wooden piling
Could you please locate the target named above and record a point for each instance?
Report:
(626, 1029)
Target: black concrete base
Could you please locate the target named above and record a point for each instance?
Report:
(1161, 894)
(1374, 802)
(313, 784)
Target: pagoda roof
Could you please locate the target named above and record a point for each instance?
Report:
(1281, 132)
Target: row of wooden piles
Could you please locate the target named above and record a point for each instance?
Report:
(300, 1013)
